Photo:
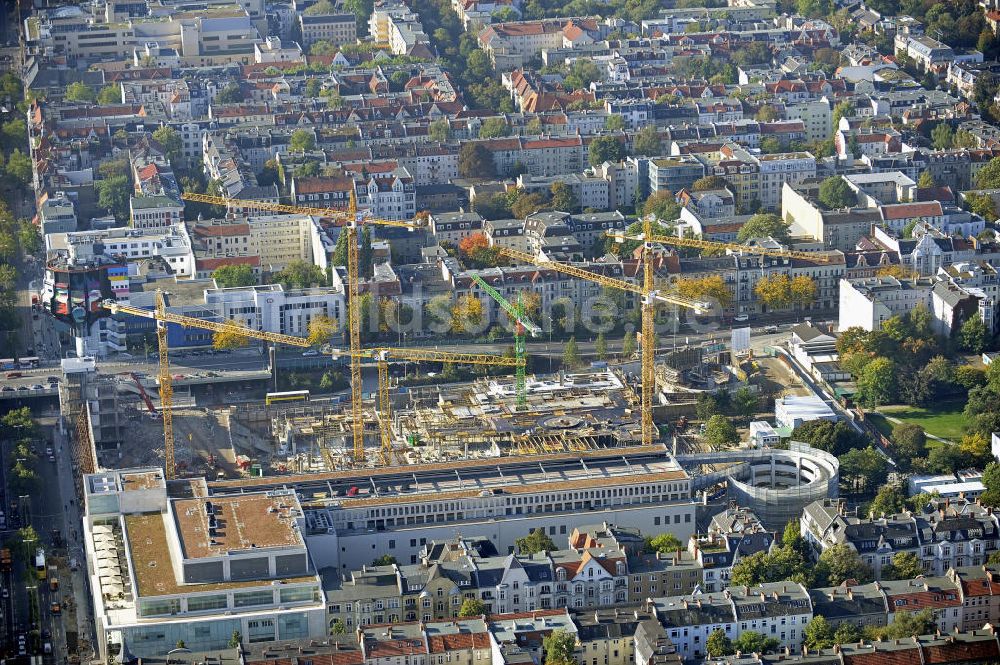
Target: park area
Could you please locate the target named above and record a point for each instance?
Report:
(943, 419)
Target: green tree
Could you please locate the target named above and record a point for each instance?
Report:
(628, 345)
(749, 641)
(646, 142)
(366, 254)
(19, 167)
(926, 180)
(535, 542)
(558, 647)
(763, 225)
(889, 500)
(877, 383)
(601, 347)
(904, 566)
(235, 640)
(170, 141)
(15, 134)
(79, 92)
(338, 627)
(766, 113)
(614, 123)
(563, 199)
(973, 334)
(841, 562)
(770, 145)
(982, 205)
(991, 481)
(835, 193)
(846, 633)
(661, 205)
(842, 109)
(302, 140)
(605, 149)
(493, 128)
(864, 468)
(300, 274)
(942, 136)
(989, 176)
(113, 195)
(909, 442)
(664, 543)
(718, 644)
(571, 354)
(710, 182)
(384, 560)
(818, 633)
(476, 161)
(109, 94)
(720, 432)
(320, 8)
(745, 403)
(582, 73)
(905, 624)
(439, 130)
(472, 607)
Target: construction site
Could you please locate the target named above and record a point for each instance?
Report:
(487, 418)
(430, 424)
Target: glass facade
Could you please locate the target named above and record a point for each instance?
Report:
(202, 603)
(251, 598)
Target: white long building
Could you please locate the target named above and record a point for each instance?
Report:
(397, 513)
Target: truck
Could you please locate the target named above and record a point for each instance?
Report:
(5, 560)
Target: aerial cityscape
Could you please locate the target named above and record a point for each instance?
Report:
(499, 332)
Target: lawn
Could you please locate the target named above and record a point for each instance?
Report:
(943, 419)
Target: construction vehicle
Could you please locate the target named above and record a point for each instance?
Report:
(352, 220)
(145, 396)
(521, 323)
(650, 297)
(162, 318)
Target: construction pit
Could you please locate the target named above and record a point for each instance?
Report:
(427, 424)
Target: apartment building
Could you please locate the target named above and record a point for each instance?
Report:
(777, 169)
(674, 173)
(868, 302)
(338, 29)
(947, 534)
(778, 610)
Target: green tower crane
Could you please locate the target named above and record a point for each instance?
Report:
(521, 324)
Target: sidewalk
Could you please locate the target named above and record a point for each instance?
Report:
(72, 524)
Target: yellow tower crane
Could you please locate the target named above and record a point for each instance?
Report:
(650, 296)
(711, 245)
(162, 318)
(353, 220)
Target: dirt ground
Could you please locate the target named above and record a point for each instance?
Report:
(778, 379)
(200, 439)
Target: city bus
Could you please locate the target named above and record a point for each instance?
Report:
(290, 396)
(29, 362)
(40, 563)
